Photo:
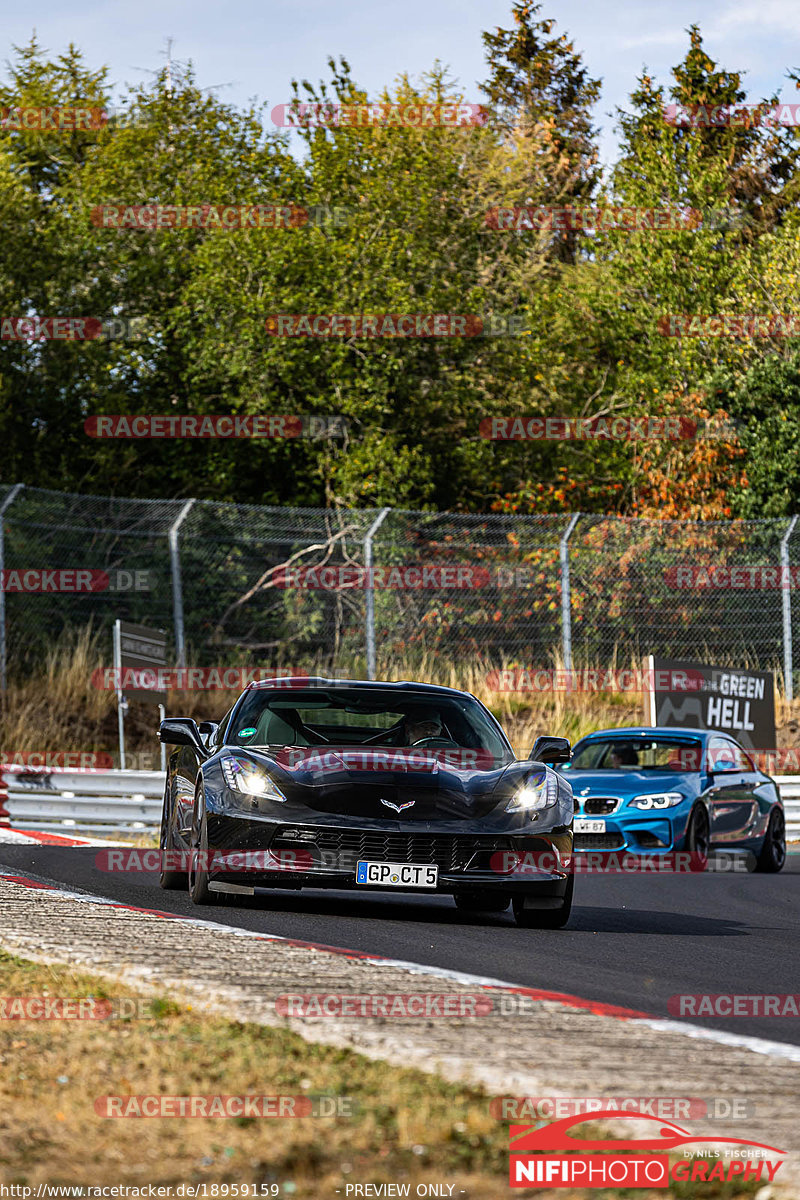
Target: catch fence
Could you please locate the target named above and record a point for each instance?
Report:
(365, 591)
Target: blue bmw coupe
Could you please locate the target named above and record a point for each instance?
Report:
(651, 790)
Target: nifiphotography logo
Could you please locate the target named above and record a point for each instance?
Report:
(634, 1162)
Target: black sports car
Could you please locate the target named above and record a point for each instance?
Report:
(325, 783)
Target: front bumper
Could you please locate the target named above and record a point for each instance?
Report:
(637, 833)
(251, 853)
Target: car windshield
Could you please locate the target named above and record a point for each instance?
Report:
(349, 716)
(637, 754)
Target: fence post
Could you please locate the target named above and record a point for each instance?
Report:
(121, 703)
(786, 597)
(370, 593)
(566, 607)
(7, 502)
(177, 592)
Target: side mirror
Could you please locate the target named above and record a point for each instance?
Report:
(182, 731)
(552, 750)
(207, 730)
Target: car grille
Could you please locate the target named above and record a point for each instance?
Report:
(451, 853)
(600, 806)
(598, 841)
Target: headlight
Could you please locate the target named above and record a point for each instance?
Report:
(244, 776)
(540, 791)
(657, 800)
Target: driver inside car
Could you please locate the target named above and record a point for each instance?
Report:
(420, 725)
(624, 755)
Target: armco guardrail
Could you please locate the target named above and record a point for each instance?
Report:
(86, 801)
(130, 801)
(789, 786)
(4, 821)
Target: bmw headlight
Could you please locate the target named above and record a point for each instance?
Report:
(656, 800)
(538, 792)
(244, 776)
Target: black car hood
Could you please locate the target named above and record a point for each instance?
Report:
(362, 786)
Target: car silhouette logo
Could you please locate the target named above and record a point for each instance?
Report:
(556, 1136)
(398, 808)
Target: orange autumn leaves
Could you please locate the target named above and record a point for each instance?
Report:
(688, 479)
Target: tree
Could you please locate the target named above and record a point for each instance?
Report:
(542, 97)
(765, 404)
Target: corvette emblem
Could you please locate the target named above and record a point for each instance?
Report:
(398, 808)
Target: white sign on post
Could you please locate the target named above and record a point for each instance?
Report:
(140, 657)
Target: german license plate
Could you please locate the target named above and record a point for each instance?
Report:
(383, 874)
(584, 825)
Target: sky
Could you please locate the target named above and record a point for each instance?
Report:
(255, 48)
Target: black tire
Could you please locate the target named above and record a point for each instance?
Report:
(168, 880)
(544, 918)
(772, 856)
(698, 831)
(477, 902)
(198, 872)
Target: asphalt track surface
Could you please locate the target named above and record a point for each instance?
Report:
(632, 941)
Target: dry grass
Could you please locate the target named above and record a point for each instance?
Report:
(60, 710)
(405, 1125)
(525, 716)
(569, 714)
(408, 1127)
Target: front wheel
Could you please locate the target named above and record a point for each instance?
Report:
(530, 917)
(697, 832)
(168, 880)
(772, 855)
(199, 892)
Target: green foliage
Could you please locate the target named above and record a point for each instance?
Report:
(766, 401)
(415, 240)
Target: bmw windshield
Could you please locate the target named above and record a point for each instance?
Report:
(637, 754)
